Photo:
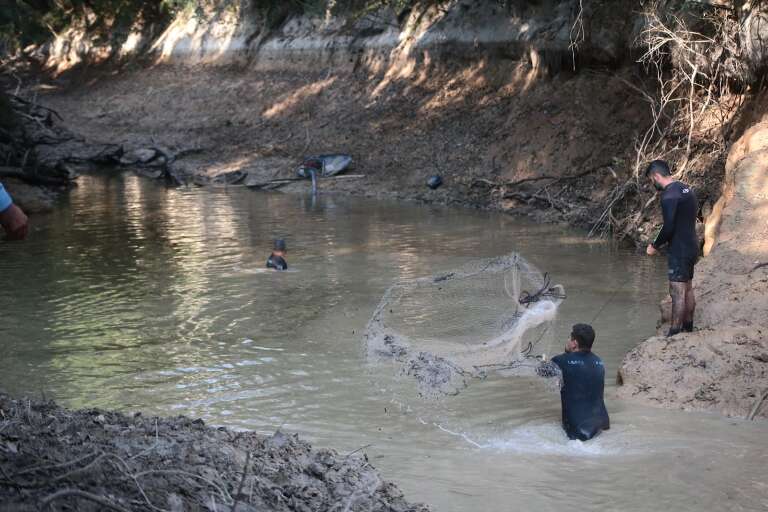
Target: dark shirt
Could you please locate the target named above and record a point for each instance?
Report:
(679, 207)
(277, 262)
(584, 413)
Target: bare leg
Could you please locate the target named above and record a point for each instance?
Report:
(677, 292)
(690, 307)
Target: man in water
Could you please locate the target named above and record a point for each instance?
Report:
(12, 218)
(276, 260)
(581, 394)
(678, 207)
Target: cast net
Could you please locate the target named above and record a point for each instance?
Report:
(447, 329)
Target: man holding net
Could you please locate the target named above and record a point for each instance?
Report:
(583, 381)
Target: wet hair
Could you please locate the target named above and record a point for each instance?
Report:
(657, 167)
(584, 335)
(280, 245)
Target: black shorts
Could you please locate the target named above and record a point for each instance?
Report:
(680, 268)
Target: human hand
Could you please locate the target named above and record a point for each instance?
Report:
(651, 250)
(547, 369)
(14, 222)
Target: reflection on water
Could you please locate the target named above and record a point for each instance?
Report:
(138, 297)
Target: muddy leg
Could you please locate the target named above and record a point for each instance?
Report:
(690, 307)
(677, 292)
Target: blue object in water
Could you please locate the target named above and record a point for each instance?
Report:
(434, 181)
(5, 199)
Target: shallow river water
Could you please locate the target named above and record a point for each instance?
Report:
(134, 296)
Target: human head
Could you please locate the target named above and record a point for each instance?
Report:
(280, 246)
(582, 337)
(659, 174)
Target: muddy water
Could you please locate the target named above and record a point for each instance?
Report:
(133, 296)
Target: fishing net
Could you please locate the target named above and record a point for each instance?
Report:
(447, 329)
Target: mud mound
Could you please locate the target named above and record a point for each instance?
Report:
(55, 459)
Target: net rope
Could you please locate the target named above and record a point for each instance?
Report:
(447, 329)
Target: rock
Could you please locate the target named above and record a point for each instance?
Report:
(138, 156)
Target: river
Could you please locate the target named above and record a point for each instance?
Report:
(138, 297)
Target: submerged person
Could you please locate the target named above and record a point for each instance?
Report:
(581, 394)
(12, 218)
(276, 260)
(678, 207)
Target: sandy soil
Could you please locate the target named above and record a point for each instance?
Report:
(91, 460)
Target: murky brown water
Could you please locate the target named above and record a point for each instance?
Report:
(133, 296)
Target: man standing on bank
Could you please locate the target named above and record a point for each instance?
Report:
(678, 208)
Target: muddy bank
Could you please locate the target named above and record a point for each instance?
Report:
(724, 365)
(534, 109)
(100, 460)
(480, 128)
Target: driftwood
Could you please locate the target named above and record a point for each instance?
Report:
(554, 179)
(34, 106)
(279, 182)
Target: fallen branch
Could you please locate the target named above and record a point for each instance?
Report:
(759, 265)
(222, 491)
(55, 466)
(285, 181)
(358, 450)
(555, 179)
(64, 493)
(35, 105)
(756, 407)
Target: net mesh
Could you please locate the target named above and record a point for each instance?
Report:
(445, 330)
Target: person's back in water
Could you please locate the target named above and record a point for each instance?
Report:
(581, 395)
(276, 260)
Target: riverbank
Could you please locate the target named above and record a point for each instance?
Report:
(723, 366)
(535, 110)
(100, 460)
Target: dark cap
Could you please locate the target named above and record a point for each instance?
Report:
(280, 245)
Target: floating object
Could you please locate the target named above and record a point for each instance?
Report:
(434, 181)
